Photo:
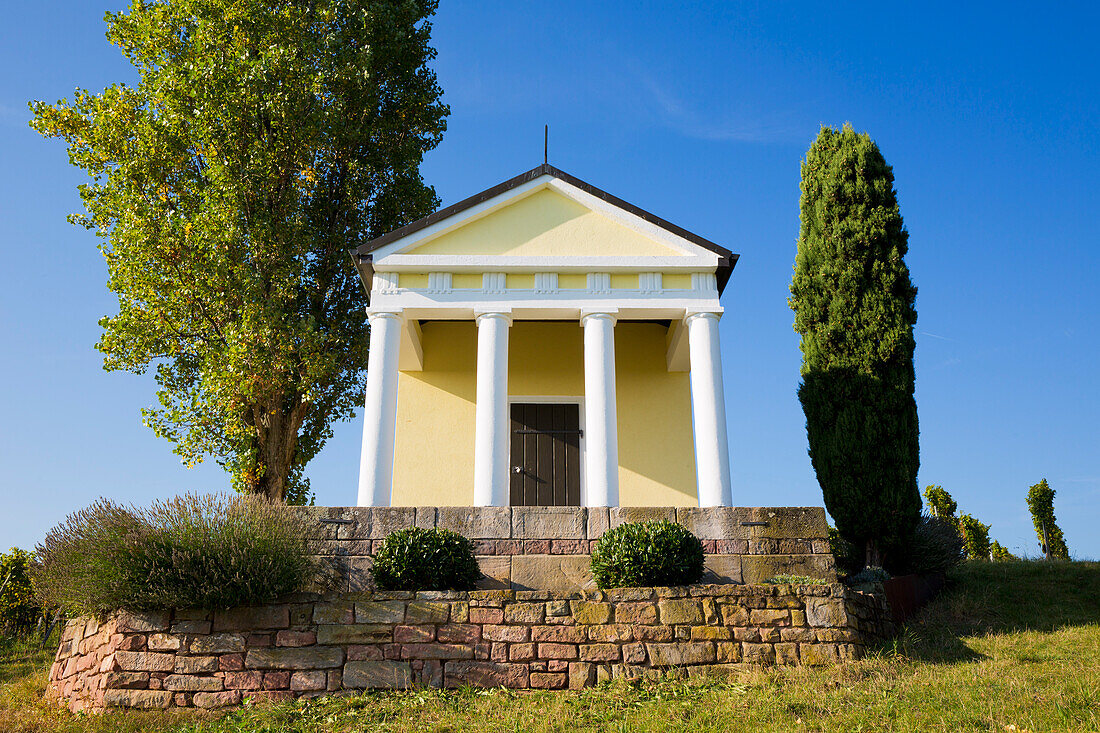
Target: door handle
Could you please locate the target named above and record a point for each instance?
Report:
(517, 469)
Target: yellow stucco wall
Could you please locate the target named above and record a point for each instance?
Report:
(544, 223)
(434, 455)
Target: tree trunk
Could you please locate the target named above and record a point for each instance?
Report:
(873, 558)
(276, 442)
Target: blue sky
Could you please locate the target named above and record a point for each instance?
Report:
(700, 113)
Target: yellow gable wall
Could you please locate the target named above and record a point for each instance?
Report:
(544, 224)
(434, 458)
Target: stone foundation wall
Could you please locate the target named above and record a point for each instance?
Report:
(547, 548)
(310, 646)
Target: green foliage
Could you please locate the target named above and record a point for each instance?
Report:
(869, 575)
(848, 558)
(785, 579)
(261, 144)
(934, 547)
(940, 503)
(425, 559)
(975, 536)
(19, 609)
(650, 553)
(188, 552)
(1000, 553)
(854, 308)
(1040, 500)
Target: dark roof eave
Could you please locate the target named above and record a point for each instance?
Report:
(727, 260)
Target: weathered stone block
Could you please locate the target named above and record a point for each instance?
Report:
(500, 632)
(459, 633)
(141, 699)
(436, 651)
(565, 573)
(126, 680)
(610, 633)
(599, 521)
(191, 627)
(141, 622)
(770, 617)
(710, 633)
(555, 523)
(341, 612)
(680, 612)
(636, 613)
(714, 523)
(680, 654)
(826, 612)
(623, 514)
(728, 652)
(562, 634)
(295, 638)
(485, 674)
(303, 681)
(599, 652)
(757, 653)
(813, 655)
(316, 657)
(427, 612)
(357, 570)
(557, 651)
(196, 665)
(476, 522)
(525, 613)
(386, 520)
(581, 675)
(496, 572)
(722, 569)
(210, 700)
(354, 633)
(217, 644)
(380, 612)
(163, 642)
(145, 661)
(192, 683)
(549, 680)
(589, 612)
(252, 619)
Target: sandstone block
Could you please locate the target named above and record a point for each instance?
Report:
(373, 675)
(549, 680)
(680, 654)
(636, 613)
(493, 632)
(651, 633)
(543, 522)
(486, 615)
(581, 675)
(354, 633)
(427, 612)
(710, 633)
(714, 523)
(826, 612)
(192, 683)
(734, 615)
(599, 521)
(485, 674)
(317, 657)
(126, 680)
(252, 618)
(634, 653)
(459, 633)
(770, 617)
(524, 613)
(163, 642)
(566, 573)
(623, 514)
(588, 612)
(680, 612)
(413, 634)
(145, 661)
(722, 569)
(380, 612)
(610, 633)
(209, 700)
(758, 568)
(191, 627)
(557, 651)
(496, 572)
(140, 699)
(436, 651)
(476, 522)
(141, 622)
(303, 681)
(599, 652)
(757, 653)
(561, 634)
(217, 644)
(295, 638)
(249, 680)
(786, 653)
(728, 652)
(196, 665)
(334, 613)
(386, 520)
(814, 655)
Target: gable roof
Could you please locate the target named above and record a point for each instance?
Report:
(727, 260)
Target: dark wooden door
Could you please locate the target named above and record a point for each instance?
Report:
(546, 456)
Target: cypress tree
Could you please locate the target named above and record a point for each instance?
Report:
(854, 308)
(1040, 500)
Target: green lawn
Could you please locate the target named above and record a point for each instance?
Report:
(1009, 647)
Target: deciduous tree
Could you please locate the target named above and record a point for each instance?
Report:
(1040, 500)
(262, 142)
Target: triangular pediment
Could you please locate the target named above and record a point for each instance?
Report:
(545, 223)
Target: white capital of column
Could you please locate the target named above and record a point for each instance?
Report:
(380, 412)
(708, 408)
(491, 412)
(600, 421)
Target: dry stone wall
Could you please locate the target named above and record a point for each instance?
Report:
(311, 645)
(547, 548)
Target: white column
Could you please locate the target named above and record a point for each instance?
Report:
(708, 408)
(491, 413)
(380, 413)
(601, 468)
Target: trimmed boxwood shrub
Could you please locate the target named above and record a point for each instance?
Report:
(425, 559)
(650, 553)
(188, 552)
